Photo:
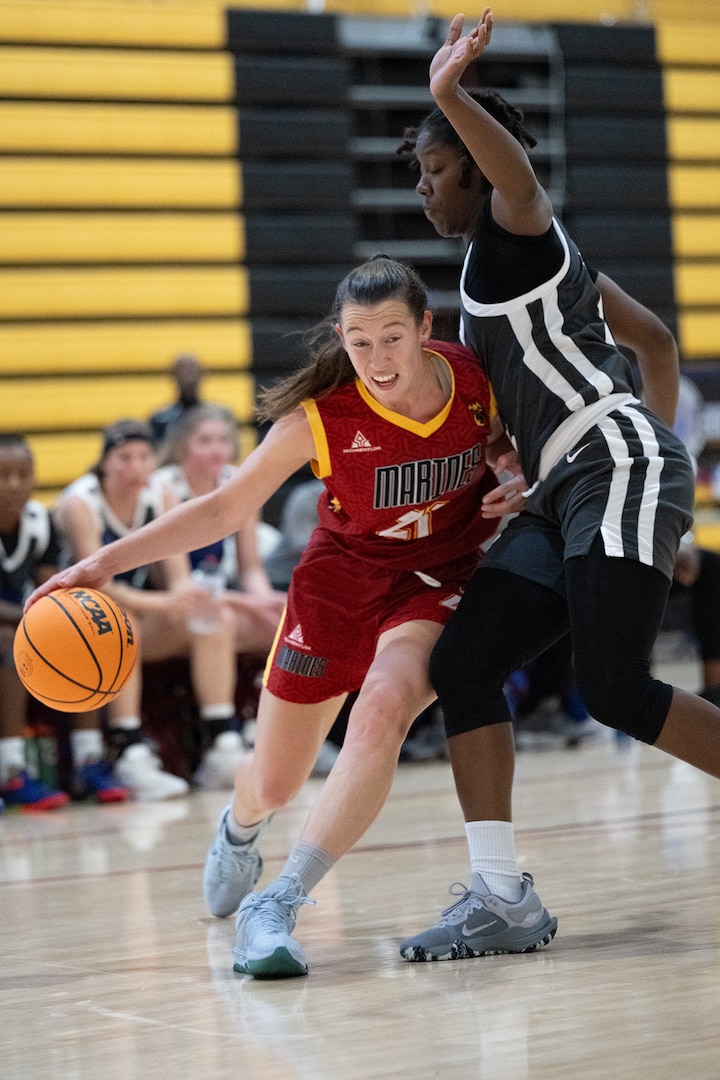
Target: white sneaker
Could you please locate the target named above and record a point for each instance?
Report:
(139, 770)
(216, 771)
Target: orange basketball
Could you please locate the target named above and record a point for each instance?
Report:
(75, 649)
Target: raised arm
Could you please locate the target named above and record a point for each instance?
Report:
(519, 203)
(636, 327)
(203, 520)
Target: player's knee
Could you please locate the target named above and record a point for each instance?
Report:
(273, 790)
(635, 707)
(383, 713)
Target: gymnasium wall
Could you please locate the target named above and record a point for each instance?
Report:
(177, 177)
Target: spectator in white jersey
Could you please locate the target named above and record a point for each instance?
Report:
(113, 499)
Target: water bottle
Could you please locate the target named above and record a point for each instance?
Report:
(206, 620)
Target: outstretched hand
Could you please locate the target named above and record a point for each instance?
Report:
(457, 52)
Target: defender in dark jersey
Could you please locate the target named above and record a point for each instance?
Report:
(396, 426)
(610, 489)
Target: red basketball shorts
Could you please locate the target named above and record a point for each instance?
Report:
(337, 608)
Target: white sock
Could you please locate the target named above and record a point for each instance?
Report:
(127, 723)
(86, 745)
(223, 711)
(492, 855)
(12, 755)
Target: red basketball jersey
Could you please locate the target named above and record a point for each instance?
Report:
(400, 492)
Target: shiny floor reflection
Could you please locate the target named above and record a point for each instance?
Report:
(113, 970)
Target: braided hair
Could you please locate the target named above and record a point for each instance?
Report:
(440, 130)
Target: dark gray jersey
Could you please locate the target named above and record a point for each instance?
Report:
(548, 351)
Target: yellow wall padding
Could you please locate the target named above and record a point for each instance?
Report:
(70, 127)
(105, 182)
(697, 284)
(692, 138)
(82, 347)
(39, 404)
(699, 332)
(688, 43)
(116, 74)
(696, 235)
(60, 455)
(694, 187)
(691, 91)
(111, 22)
(140, 291)
(121, 238)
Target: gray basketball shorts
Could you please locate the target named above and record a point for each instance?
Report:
(628, 478)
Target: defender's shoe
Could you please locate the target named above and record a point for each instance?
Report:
(140, 771)
(231, 870)
(480, 924)
(264, 924)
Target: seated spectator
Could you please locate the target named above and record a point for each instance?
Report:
(199, 455)
(697, 580)
(116, 497)
(187, 372)
(298, 518)
(29, 555)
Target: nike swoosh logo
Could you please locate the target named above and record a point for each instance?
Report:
(571, 457)
(468, 932)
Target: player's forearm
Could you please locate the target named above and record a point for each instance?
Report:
(498, 154)
(659, 371)
(192, 525)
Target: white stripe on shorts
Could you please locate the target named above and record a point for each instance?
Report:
(612, 523)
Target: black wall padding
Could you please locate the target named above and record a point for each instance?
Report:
(286, 133)
(616, 138)
(306, 290)
(283, 80)
(278, 344)
(299, 238)
(621, 91)
(624, 238)
(616, 196)
(617, 187)
(282, 31)
(632, 46)
(297, 185)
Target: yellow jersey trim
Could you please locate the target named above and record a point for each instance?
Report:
(321, 463)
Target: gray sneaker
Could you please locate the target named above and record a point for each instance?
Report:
(264, 923)
(231, 870)
(480, 924)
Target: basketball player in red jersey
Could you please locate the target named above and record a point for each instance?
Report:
(396, 426)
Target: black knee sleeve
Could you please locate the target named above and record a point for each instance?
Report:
(470, 693)
(488, 637)
(637, 708)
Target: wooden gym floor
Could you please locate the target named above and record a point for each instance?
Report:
(112, 970)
